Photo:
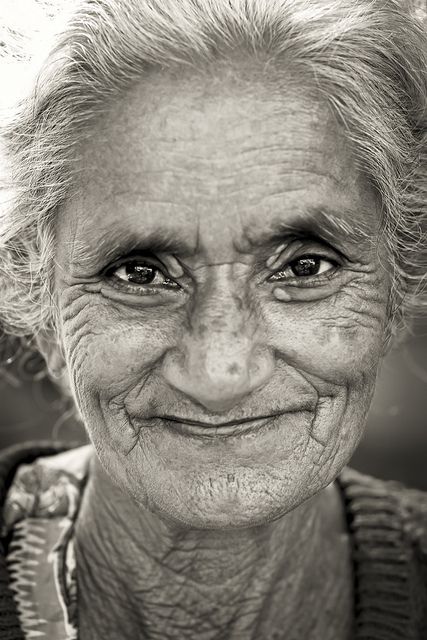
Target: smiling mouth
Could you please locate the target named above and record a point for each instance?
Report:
(189, 427)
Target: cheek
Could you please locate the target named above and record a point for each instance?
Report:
(339, 340)
(331, 347)
(109, 352)
(336, 346)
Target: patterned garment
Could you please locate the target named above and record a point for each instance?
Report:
(39, 514)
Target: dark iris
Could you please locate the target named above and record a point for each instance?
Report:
(305, 267)
(140, 273)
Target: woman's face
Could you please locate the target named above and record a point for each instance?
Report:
(222, 296)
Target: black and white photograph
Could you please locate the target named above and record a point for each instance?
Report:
(213, 327)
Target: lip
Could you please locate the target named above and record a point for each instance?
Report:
(200, 429)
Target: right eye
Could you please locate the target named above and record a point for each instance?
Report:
(138, 274)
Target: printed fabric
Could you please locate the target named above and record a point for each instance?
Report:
(39, 515)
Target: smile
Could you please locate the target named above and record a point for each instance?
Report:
(190, 427)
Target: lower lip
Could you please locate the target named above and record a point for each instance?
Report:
(208, 431)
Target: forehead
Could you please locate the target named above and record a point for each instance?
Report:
(218, 158)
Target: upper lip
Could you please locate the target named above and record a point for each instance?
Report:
(217, 425)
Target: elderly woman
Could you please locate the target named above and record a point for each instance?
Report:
(212, 232)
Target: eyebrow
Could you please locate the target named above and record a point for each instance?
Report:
(344, 226)
(104, 252)
(317, 223)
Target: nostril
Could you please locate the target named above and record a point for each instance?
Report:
(218, 377)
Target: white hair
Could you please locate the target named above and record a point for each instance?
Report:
(366, 58)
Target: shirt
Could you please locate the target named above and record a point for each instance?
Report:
(40, 496)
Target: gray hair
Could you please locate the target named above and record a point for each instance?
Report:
(367, 58)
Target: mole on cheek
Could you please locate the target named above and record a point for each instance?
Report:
(233, 368)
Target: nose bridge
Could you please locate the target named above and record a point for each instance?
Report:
(221, 325)
(219, 315)
(222, 358)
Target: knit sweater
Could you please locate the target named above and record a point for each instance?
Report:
(387, 526)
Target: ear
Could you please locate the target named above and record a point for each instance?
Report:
(50, 348)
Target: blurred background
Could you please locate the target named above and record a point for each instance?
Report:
(394, 446)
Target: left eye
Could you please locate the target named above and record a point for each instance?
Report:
(305, 267)
(141, 273)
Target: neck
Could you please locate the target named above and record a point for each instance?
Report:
(154, 579)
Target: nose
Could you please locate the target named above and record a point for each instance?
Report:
(222, 358)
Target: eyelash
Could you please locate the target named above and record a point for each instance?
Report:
(141, 289)
(306, 280)
(171, 285)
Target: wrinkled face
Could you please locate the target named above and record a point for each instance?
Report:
(222, 299)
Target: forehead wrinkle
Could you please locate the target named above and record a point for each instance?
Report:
(165, 101)
(201, 156)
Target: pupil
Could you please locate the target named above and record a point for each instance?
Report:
(306, 266)
(140, 273)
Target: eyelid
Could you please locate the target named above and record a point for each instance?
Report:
(150, 291)
(292, 280)
(149, 258)
(298, 248)
(312, 254)
(287, 266)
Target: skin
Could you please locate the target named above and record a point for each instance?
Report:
(223, 181)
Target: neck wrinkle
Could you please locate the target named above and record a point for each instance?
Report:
(139, 565)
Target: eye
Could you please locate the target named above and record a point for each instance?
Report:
(140, 273)
(307, 266)
(310, 266)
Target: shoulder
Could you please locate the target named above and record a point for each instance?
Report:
(10, 460)
(388, 525)
(15, 456)
(380, 503)
(40, 482)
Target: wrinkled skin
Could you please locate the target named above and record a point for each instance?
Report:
(206, 177)
(219, 174)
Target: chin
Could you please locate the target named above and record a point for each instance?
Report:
(244, 498)
(235, 482)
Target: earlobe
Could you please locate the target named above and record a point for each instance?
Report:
(50, 348)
